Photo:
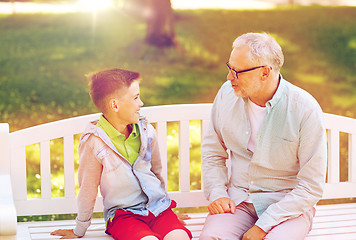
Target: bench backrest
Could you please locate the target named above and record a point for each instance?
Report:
(13, 157)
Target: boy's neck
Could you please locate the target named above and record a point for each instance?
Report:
(121, 128)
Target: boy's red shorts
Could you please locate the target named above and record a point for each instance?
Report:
(129, 226)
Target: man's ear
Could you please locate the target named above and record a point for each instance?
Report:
(114, 105)
(265, 72)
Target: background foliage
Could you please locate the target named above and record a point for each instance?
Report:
(43, 59)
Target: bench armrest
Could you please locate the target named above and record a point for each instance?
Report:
(8, 217)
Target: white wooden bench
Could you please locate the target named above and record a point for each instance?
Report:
(335, 221)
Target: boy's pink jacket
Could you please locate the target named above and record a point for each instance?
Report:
(138, 188)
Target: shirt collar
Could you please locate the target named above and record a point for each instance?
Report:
(278, 94)
(112, 132)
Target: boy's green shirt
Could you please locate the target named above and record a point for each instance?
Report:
(129, 148)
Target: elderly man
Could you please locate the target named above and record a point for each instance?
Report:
(274, 134)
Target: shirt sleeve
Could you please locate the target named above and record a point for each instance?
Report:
(214, 156)
(156, 158)
(89, 174)
(312, 157)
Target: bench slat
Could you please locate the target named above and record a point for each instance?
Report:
(162, 142)
(336, 206)
(338, 211)
(333, 231)
(69, 173)
(333, 175)
(45, 170)
(18, 174)
(341, 225)
(346, 236)
(334, 224)
(52, 130)
(339, 190)
(352, 157)
(184, 163)
(335, 218)
(194, 198)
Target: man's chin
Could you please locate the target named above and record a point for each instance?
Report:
(238, 93)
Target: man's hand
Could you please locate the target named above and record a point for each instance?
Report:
(65, 233)
(254, 233)
(183, 217)
(222, 205)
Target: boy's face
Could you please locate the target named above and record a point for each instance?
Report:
(129, 104)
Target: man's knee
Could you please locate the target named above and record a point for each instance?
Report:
(207, 235)
(296, 228)
(218, 234)
(212, 229)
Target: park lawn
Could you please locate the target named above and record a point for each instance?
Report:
(43, 59)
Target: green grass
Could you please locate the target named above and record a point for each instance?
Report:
(43, 57)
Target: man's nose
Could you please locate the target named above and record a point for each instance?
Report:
(230, 76)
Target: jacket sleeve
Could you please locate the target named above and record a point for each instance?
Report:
(89, 174)
(214, 156)
(156, 160)
(312, 156)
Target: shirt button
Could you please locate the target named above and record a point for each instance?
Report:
(246, 133)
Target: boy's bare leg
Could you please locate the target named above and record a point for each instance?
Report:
(177, 234)
(149, 238)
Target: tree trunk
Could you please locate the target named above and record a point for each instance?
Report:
(13, 6)
(160, 23)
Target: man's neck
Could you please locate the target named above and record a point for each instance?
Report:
(267, 93)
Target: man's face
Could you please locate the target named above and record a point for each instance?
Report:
(129, 104)
(247, 84)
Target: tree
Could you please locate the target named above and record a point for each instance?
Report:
(159, 17)
(160, 23)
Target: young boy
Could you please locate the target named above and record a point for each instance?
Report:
(120, 154)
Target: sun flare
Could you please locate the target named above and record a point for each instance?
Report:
(96, 4)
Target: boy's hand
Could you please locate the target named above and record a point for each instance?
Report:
(65, 233)
(183, 217)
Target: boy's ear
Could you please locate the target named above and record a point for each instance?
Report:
(114, 105)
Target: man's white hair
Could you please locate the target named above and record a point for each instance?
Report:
(264, 49)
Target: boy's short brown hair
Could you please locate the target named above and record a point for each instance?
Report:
(106, 82)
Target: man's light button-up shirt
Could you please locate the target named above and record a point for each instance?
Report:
(285, 174)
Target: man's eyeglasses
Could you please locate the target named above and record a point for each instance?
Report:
(235, 73)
